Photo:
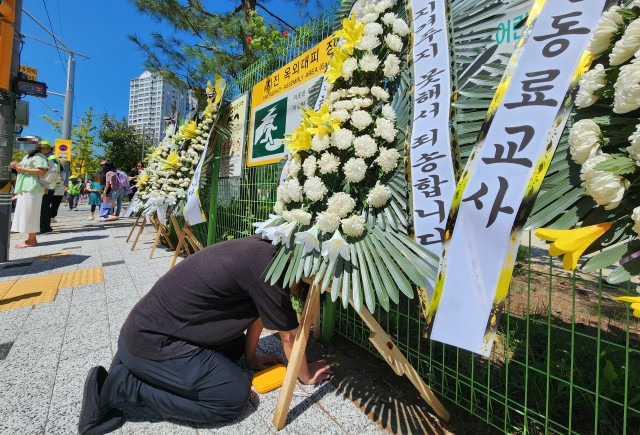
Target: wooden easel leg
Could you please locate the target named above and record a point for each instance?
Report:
(399, 363)
(144, 223)
(297, 353)
(155, 241)
(133, 227)
(177, 251)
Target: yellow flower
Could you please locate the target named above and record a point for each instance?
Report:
(321, 121)
(300, 140)
(172, 161)
(142, 179)
(157, 151)
(188, 130)
(334, 72)
(635, 303)
(572, 243)
(351, 32)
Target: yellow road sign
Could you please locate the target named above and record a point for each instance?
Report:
(32, 73)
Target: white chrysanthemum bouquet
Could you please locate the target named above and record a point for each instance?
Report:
(606, 139)
(343, 189)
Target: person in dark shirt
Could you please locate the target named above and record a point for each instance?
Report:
(177, 345)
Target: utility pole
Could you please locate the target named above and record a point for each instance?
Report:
(7, 132)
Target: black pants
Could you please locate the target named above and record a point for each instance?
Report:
(202, 386)
(55, 205)
(45, 212)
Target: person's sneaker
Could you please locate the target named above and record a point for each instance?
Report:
(100, 219)
(90, 219)
(95, 419)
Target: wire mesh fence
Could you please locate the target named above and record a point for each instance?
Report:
(565, 358)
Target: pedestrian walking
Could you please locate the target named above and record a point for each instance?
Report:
(95, 189)
(26, 218)
(73, 191)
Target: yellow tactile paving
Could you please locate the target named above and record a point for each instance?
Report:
(5, 286)
(40, 289)
(59, 254)
(81, 277)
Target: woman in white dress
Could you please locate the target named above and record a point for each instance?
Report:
(26, 218)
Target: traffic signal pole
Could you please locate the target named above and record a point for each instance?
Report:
(7, 120)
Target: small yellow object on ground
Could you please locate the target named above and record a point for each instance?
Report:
(59, 254)
(269, 379)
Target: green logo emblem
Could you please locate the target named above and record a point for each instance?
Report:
(270, 124)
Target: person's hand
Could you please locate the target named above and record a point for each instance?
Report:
(263, 361)
(14, 165)
(318, 371)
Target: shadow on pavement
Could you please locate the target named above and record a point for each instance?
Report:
(72, 239)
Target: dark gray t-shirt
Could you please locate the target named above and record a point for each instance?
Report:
(208, 299)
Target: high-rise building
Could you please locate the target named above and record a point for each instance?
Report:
(151, 99)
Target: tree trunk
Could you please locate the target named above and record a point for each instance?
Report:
(247, 6)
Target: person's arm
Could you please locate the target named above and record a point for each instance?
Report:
(257, 362)
(35, 171)
(310, 373)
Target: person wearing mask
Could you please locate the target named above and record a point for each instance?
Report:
(177, 348)
(47, 197)
(113, 189)
(133, 178)
(26, 218)
(74, 188)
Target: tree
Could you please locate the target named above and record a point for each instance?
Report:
(83, 138)
(122, 144)
(225, 43)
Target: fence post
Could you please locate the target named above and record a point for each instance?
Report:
(213, 194)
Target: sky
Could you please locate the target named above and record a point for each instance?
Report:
(98, 30)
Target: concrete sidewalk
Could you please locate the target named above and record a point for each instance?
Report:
(47, 349)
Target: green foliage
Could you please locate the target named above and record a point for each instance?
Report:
(18, 154)
(121, 142)
(618, 164)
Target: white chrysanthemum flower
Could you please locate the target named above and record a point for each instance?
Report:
(336, 95)
(360, 119)
(584, 140)
(634, 149)
(348, 67)
(590, 82)
(379, 195)
(309, 166)
(353, 226)
(328, 163)
(393, 42)
(336, 246)
(627, 45)
(380, 93)
(294, 189)
(362, 103)
(369, 62)
(388, 112)
(604, 31)
(288, 215)
(391, 66)
(627, 89)
(301, 216)
(373, 29)
(340, 204)
(355, 169)
(314, 189)
(400, 28)
(327, 222)
(365, 146)
(369, 18)
(320, 142)
(341, 115)
(368, 42)
(606, 188)
(295, 164)
(635, 216)
(309, 239)
(385, 129)
(358, 91)
(389, 18)
(343, 105)
(342, 138)
(278, 207)
(388, 159)
(382, 6)
(282, 194)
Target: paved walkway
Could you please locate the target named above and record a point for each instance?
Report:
(47, 349)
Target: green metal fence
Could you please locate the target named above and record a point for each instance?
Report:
(565, 359)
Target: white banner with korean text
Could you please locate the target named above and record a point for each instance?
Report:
(499, 184)
(432, 177)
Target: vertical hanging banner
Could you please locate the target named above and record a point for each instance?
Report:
(503, 175)
(432, 178)
(193, 209)
(231, 149)
(276, 101)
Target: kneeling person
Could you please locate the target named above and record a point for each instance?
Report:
(177, 346)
